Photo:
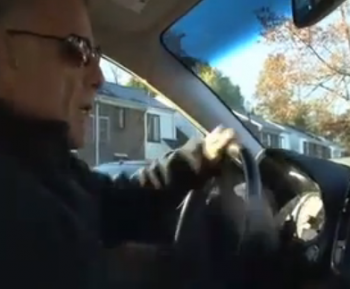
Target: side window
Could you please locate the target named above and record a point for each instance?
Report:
(134, 123)
(153, 128)
(271, 140)
(121, 117)
(90, 130)
(104, 129)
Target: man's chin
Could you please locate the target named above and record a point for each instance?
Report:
(76, 143)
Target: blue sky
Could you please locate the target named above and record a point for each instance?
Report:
(244, 66)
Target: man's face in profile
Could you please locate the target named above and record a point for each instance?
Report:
(46, 74)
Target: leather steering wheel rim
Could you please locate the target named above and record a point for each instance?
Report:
(259, 228)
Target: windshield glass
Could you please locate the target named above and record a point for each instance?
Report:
(289, 87)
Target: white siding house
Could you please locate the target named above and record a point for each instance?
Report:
(286, 137)
(186, 126)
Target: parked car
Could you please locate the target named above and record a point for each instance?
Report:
(114, 169)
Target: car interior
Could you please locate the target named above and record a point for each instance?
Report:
(246, 228)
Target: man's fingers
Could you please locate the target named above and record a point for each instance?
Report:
(233, 149)
(148, 176)
(217, 130)
(217, 142)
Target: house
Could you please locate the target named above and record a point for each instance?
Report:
(128, 123)
(307, 143)
(269, 133)
(161, 131)
(288, 137)
(117, 118)
(184, 128)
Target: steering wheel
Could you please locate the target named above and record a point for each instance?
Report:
(252, 219)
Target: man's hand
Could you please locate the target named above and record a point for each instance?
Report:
(219, 141)
(214, 146)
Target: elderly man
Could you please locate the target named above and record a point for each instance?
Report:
(56, 215)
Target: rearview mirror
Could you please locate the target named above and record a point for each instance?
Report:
(308, 12)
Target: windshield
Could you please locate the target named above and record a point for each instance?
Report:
(289, 87)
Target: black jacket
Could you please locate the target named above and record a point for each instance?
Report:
(56, 215)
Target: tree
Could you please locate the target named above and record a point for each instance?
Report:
(228, 92)
(219, 83)
(307, 73)
(322, 51)
(135, 83)
(279, 95)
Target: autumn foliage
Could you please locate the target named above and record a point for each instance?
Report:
(305, 80)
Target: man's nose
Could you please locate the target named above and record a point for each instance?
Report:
(95, 76)
(99, 79)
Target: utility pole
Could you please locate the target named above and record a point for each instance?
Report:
(248, 108)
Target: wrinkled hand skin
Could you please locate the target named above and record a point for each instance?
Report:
(218, 142)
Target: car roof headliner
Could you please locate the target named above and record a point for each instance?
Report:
(131, 38)
(155, 17)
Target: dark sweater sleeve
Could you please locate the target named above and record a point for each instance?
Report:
(136, 208)
(39, 243)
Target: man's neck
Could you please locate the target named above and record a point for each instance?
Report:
(29, 137)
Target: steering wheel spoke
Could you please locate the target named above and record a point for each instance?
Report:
(250, 218)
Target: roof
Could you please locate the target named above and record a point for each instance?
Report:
(258, 121)
(130, 94)
(280, 128)
(308, 135)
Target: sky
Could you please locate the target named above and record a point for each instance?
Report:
(112, 73)
(243, 67)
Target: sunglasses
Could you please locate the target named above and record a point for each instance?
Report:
(77, 49)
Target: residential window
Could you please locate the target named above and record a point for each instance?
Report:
(275, 141)
(121, 117)
(153, 128)
(104, 129)
(90, 130)
(271, 140)
(316, 150)
(265, 139)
